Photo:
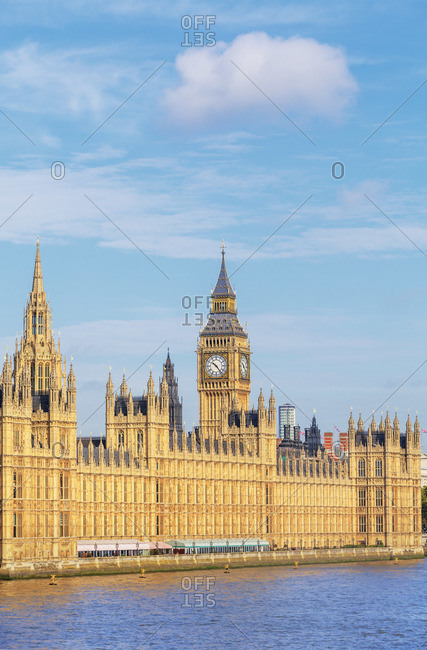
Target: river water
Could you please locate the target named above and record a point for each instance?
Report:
(377, 605)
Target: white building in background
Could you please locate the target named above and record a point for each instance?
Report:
(423, 470)
(286, 417)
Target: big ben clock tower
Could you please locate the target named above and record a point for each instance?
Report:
(223, 358)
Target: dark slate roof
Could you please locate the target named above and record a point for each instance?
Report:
(223, 323)
(251, 417)
(223, 286)
(122, 403)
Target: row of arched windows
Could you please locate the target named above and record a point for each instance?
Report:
(37, 324)
(43, 375)
(378, 468)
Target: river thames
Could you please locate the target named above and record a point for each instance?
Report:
(376, 605)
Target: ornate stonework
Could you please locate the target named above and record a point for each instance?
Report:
(225, 479)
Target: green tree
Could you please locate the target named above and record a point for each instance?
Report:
(424, 503)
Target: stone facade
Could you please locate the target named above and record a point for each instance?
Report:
(223, 479)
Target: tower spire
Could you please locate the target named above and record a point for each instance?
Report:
(38, 275)
(223, 287)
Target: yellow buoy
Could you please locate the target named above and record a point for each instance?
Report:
(227, 569)
(142, 573)
(296, 565)
(396, 561)
(52, 580)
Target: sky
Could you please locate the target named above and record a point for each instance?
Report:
(296, 132)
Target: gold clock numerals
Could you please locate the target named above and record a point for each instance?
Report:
(216, 365)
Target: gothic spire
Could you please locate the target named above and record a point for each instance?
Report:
(223, 286)
(38, 275)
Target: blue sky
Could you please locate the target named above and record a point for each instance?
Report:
(206, 150)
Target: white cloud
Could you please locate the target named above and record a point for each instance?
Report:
(299, 74)
(61, 81)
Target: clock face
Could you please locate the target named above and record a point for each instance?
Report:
(216, 365)
(244, 366)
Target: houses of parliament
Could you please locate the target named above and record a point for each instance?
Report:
(148, 479)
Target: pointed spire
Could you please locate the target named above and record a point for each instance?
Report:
(351, 421)
(360, 423)
(123, 387)
(71, 379)
(110, 385)
(150, 384)
(272, 401)
(387, 421)
(416, 425)
(396, 425)
(223, 286)
(261, 403)
(381, 425)
(408, 425)
(38, 276)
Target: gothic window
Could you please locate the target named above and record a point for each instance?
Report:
(16, 439)
(40, 323)
(139, 441)
(121, 438)
(61, 486)
(46, 486)
(393, 524)
(362, 498)
(33, 377)
(378, 468)
(61, 524)
(362, 524)
(14, 485)
(34, 324)
(379, 498)
(40, 383)
(379, 523)
(361, 468)
(46, 376)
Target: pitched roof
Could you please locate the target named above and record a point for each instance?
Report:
(223, 286)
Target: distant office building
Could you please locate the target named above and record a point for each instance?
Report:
(423, 470)
(286, 417)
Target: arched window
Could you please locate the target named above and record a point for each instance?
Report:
(40, 323)
(139, 441)
(361, 468)
(33, 377)
(46, 376)
(40, 383)
(34, 324)
(378, 467)
(121, 438)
